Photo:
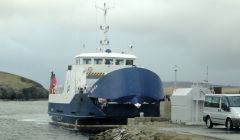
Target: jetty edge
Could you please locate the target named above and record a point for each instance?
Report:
(147, 128)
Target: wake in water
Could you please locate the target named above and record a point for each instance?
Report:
(30, 121)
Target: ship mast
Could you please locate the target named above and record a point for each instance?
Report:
(104, 43)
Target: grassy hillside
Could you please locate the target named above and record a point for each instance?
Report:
(16, 87)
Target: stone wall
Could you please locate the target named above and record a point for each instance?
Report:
(165, 109)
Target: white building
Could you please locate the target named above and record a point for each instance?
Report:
(187, 104)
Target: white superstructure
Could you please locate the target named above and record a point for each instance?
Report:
(89, 67)
(104, 62)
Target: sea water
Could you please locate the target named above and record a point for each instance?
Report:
(28, 120)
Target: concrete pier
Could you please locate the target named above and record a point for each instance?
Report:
(145, 120)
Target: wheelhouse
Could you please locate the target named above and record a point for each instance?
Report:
(116, 59)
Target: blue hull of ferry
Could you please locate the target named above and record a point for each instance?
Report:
(121, 89)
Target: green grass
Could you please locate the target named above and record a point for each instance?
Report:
(231, 90)
(15, 82)
(14, 87)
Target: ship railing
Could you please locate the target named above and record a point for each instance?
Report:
(59, 89)
(83, 90)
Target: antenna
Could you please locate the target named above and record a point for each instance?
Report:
(105, 28)
(131, 48)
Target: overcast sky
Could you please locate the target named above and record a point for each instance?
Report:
(38, 36)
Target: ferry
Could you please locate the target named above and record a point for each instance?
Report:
(104, 88)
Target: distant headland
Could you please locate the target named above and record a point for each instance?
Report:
(14, 87)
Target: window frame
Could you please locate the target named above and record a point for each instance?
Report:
(78, 61)
(119, 60)
(94, 60)
(110, 63)
(130, 64)
(84, 62)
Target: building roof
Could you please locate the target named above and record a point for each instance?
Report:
(106, 55)
(182, 91)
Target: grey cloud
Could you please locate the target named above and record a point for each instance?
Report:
(47, 34)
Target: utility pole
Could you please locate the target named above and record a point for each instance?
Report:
(175, 77)
(207, 75)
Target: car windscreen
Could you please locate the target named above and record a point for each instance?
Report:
(234, 101)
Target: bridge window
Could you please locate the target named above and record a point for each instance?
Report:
(77, 61)
(108, 61)
(98, 61)
(86, 61)
(129, 62)
(119, 62)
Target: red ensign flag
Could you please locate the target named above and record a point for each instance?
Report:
(53, 82)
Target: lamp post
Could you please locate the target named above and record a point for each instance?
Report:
(175, 76)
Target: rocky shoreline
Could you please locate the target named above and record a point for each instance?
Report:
(147, 131)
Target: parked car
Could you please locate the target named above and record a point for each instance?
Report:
(222, 109)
